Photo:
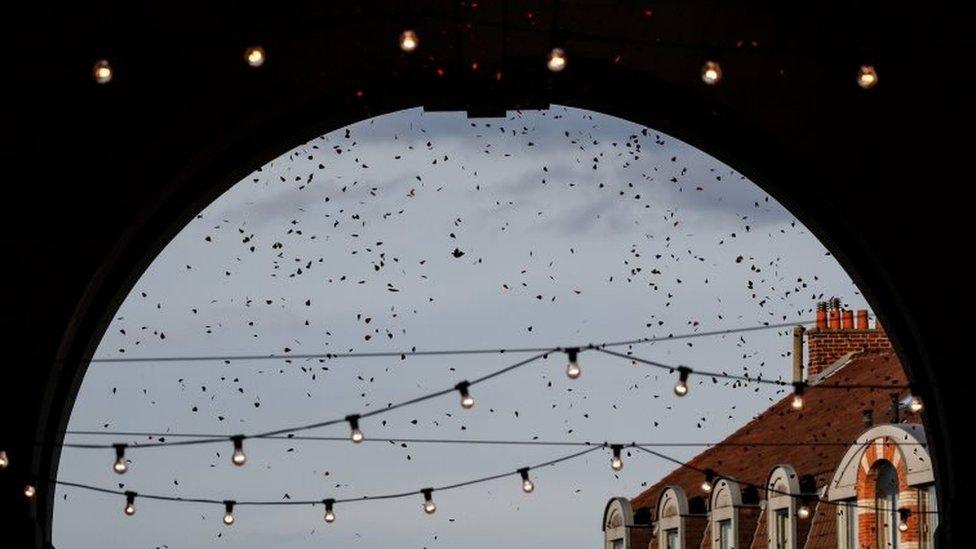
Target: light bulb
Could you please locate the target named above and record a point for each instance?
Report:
(681, 387)
(429, 506)
(709, 483)
(355, 434)
(803, 512)
(120, 466)
(408, 41)
(903, 514)
(130, 504)
(130, 509)
(228, 513)
(527, 485)
(711, 73)
(797, 402)
(254, 56)
(239, 457)
(467, 401)
(867, 77)
(557, 60)
(29, 490)
(914, 404)
(573, 370)
(616, 462)
(329, 513)
(4, 460)
(102, 71)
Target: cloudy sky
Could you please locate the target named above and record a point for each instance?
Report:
(434, 231)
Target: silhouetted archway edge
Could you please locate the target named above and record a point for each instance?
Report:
(736, 141)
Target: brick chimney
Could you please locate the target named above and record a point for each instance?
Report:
(839, 332)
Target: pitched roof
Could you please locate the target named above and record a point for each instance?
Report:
(829, 415)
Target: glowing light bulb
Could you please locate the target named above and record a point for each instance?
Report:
(681, 387)
(867, 77)
(130, 504)
(239, 457)
(915, 404)
(4, 460)
(527, 485)
(102, 71)
(573, 370)
(467, 401)
(429, 506)
(409, 41)
(711, 73)
(355, 434)
(797, 402)
(30, 490)
(557, 60)
(254, 56)
(803, 511)
(120, 466)
(616, 462)
(329, 513)
(709, 483)
(903, 515)
(228, 513)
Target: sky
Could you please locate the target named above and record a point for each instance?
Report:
(434, 231)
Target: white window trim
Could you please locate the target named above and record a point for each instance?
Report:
(672, 495)
(725, 503)
(783, 478)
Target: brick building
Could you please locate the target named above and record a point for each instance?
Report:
(868, 485)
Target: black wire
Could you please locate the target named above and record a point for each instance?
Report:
(442, 352)
(495, 442)
(673, 368)
(396, 495)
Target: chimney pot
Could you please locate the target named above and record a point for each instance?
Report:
(862, 319)
(822, 315)
(848, 319)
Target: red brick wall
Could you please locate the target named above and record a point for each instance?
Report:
(826, 346)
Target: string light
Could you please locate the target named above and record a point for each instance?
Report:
(229, 512)
(4, 460)
(254, 56)
(915, 404)
(681, 387)
(29, 490)
(429, 506)
(467, 401)
(239, 457)
(903, 514)
(709, 483)
(329, 513)
(557, 60)
(573, 370)
(102, 71)
(711, 73)
(355, 434)
(120, 466)
(408, 41)
(527, 484)
(616, 462)
(798, 388)
(867, 77)
(130, 504)
(803, 511)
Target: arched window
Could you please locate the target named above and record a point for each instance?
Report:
(617, 519)
(781, 508)
(887, 468)
(725, 504)
(671, 511)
